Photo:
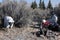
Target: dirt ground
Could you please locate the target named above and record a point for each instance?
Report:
(24, 33)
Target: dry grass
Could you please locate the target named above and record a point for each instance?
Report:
(22, 34)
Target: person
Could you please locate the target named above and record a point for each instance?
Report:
(8, 22)
(54, 18)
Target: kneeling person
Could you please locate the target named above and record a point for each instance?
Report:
(8, 22)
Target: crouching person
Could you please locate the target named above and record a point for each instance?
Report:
(8, 22)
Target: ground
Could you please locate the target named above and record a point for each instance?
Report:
(24, 33)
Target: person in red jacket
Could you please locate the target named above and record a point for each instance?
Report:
(45, 23)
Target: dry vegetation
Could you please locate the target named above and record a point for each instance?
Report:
(22, 14)
(26, 33)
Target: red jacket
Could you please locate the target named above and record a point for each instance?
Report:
(47, 23)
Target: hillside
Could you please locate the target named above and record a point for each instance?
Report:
(24, 34)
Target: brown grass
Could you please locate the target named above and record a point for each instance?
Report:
(21, 34)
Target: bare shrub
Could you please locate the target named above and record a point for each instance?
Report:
(22, 14)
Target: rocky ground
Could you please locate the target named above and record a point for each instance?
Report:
(26, 33)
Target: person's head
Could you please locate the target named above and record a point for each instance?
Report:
(43, 20)
(52, 12)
